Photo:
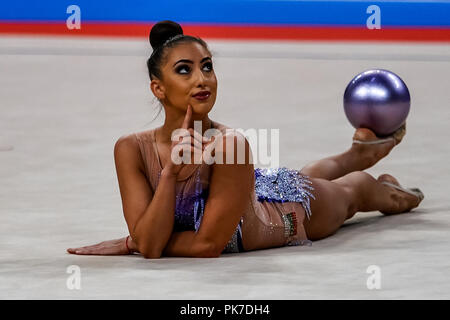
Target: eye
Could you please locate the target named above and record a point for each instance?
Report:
(209, 66)
(183, 67)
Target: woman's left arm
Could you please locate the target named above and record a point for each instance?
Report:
(229, 192)
(230, 188)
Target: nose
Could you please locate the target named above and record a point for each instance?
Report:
(199, 78)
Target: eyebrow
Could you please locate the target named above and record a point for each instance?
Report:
(189, 61)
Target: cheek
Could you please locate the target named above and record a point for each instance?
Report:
(214, 82)
(179, 91)
(176, 95)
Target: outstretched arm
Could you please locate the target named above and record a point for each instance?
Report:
(149, 216)
(121, 246)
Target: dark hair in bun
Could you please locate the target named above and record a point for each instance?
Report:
(166, 34)
(162, 31)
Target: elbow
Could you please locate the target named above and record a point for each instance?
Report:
(147, 251)
(209, 250)
(150, 253)
(213, 255)
(144, 244)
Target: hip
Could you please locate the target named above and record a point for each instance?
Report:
(273, 224)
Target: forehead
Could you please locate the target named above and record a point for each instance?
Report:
(191, 51)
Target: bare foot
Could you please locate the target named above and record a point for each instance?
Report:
(107, 248)
(405, 201)
(372, 153)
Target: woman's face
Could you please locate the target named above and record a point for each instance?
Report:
(187, 70)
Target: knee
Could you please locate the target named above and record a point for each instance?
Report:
(310, 170)
(359, 174)
(353, 179)
(355, 184)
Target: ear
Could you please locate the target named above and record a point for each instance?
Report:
(158, 89)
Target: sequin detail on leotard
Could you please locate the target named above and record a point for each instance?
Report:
(235, 243)
(189, 210)
(290, 230)
(283, 185)
(290, 224)
(273, 185)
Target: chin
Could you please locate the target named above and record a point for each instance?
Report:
(202, 108)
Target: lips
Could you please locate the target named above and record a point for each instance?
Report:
(202, 95)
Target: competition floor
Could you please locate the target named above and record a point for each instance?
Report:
(64, 103)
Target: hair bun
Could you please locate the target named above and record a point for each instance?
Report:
(162, 31)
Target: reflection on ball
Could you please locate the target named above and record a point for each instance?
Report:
(378, 100)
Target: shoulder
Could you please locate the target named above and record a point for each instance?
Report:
(126, 149)
(233, 138)
(229, 132)
(126, 143)
(131, 141)
(223, 132)
(229, 147)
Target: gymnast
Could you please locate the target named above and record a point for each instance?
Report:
(206, 209)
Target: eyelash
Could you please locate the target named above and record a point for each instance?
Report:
(209, 64)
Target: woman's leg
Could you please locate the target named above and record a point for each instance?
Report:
(358, 158)
(337, 166)
(340, 199)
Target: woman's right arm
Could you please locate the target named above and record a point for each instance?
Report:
(150, 217)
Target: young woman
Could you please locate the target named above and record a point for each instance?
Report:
(205, 209)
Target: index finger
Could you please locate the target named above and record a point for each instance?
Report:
(187, 118)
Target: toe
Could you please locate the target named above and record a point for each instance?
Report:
(364, 134)
(407, 201)
(388, 178)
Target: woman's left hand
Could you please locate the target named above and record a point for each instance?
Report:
(106, 248)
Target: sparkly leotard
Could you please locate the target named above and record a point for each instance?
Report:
(276, 207)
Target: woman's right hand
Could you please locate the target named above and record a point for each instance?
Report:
(191, 138)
